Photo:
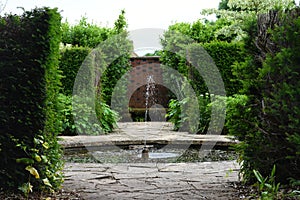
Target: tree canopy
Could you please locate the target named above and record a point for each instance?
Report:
(238, 12)
(88, 34)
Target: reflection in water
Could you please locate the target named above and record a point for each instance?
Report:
(153, 155)
(145, 153)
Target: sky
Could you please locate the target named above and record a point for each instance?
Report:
(146, 20)
(139, 13)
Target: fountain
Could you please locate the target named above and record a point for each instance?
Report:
(150, 90)
(150, 93)
(151, 105)
(153, 152)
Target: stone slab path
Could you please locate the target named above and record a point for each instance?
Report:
(202, 180)
(206, 180)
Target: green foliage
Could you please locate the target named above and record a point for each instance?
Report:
(65, 110)
(223, 5)
(155, 53)
(202, 31)
(268, 124)
(120, 24)
(205, 105)
(94, 117)
(267, 186)
(174, 113)
(108, 118)
(112, 75)
(117, 65)
(178, 118)
(84, 34)
(238, 12)
(29, 85)
(70, 62)
(225, 56)
(85, 123)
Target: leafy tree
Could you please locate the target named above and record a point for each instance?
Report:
(121, 23)
(117, 66)
(223, 5)
(84, 34)
(224, 54)
(87, 34)
(239, 12)
(202, 31)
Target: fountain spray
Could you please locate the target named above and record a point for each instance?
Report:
(150, 88)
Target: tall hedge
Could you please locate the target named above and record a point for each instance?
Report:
(225, 55)
(266, 118)
(29, 85)
(70, 62)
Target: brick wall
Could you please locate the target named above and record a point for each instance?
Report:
(142, 67)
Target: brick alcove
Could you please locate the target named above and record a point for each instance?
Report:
(138, 98)
(142, 67)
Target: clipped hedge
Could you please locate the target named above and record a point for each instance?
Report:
(112, 75)
(70, 62)
(29, 85)
(225, 55)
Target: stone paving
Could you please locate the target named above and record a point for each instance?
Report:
(202, 180)
(207, 180)
(137, 133)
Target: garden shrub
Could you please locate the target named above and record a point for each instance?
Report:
(203, 31)
(268, 123)
(29, 85)
(112, 75)
(107, 117)
(105, 123)
(116, 57)
(174, 114)
(85, 34)
(178, 118)
(73, 57)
